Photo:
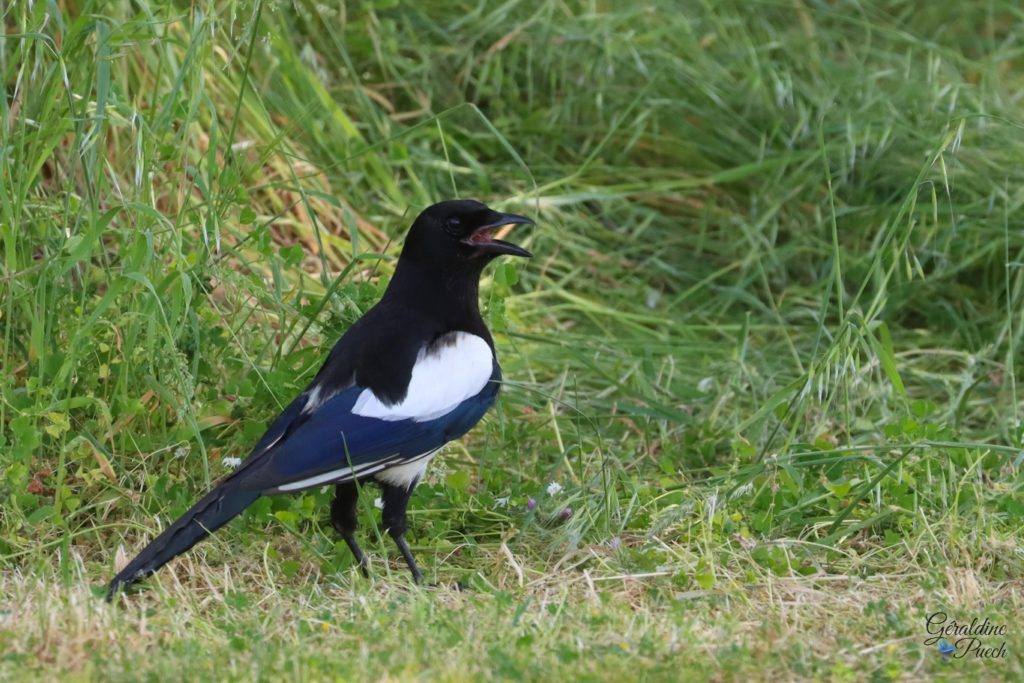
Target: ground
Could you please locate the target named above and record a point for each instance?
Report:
(761, 418)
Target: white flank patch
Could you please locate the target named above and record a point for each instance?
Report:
(340, 474)
(408, 472)
(457, 367)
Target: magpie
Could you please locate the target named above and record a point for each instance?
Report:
(416, 371)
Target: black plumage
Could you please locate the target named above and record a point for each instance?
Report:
(416, 371)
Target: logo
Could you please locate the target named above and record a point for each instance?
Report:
(958, 640)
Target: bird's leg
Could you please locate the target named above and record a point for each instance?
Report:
(343, 518)
(396, 499)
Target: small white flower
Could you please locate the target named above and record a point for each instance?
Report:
(704, 386)
(182, 451)
(378, 503)
(501, 502)
(232, 462)
(743, 490)
(553, 488)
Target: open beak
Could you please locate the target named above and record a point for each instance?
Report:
(483, 237)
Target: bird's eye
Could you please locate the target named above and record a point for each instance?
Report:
(453, 226)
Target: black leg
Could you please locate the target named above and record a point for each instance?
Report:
(343, 518)
(403, 547)
(396, 500)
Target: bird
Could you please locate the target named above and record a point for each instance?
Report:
(416, 371)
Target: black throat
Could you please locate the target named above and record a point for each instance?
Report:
(446, 290)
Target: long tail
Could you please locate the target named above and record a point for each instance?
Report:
(214, 510)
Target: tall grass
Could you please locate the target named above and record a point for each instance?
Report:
(769, 346)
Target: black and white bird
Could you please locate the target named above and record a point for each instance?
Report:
(415, 372)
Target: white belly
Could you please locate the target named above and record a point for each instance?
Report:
(407, 473)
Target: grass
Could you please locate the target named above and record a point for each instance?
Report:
(769, 346)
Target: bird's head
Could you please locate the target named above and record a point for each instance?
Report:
(461, 230)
